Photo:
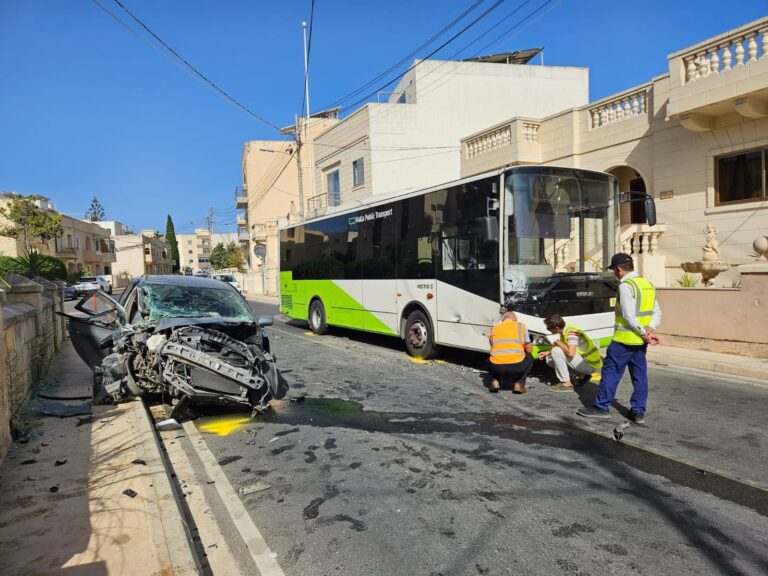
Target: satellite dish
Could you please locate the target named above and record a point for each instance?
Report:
(259, 250)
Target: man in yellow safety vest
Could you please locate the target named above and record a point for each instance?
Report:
(638, 314)
(510, 357)
(574, 350)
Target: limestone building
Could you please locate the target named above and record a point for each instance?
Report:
(695, 137)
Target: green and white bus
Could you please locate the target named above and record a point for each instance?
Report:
(435, 267)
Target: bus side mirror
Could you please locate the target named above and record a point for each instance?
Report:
(647, 199)
(650, 211)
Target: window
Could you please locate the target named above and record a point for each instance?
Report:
(358, 172)
(191, 252)
(741, 177)
(332, 188)
(189, 242)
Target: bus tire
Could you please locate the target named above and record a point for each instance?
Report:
(316, 318)
(419, 338)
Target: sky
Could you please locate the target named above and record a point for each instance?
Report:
(91, 105)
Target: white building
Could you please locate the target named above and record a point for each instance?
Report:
(412, 140)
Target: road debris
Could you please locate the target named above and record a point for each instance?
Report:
(64, 410)
(168, 424)
(53, 489)
(130, 493)
(60, 462)
(252, 488)
(618, 432)
(139, 461)
(30, 461)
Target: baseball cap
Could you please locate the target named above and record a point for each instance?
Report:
(620, 259)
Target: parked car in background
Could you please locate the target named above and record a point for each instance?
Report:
(89, 284)
(105, 284)
(229, 279)
(69, 292)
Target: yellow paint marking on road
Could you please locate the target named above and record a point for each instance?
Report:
(419, 360)
(224, 426)
(309, 334)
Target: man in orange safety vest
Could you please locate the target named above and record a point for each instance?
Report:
(510, 357)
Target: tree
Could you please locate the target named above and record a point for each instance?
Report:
(29, 221)
(95, 212)
(170, 238)
(219, 258)
(227, 256)
(32, 265)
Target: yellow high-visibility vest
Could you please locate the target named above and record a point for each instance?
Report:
(507, 342)
(591, 353)
(645, 301)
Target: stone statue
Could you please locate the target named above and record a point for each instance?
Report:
(711, 250)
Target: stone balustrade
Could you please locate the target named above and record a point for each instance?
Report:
(620, 108)
(531, 131)
(637, 239)
(499, 138)
(722, 54)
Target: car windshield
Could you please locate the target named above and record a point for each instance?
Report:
(173, 301)
(87, 279)
(226, 278)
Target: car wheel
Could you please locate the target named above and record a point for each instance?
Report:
(317, 322)
(419, 340)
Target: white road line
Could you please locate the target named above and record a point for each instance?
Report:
(260, 552)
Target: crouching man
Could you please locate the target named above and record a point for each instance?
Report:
(574, 350)
(510, 357)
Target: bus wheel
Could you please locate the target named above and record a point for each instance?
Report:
(418, 335)
(317, 317)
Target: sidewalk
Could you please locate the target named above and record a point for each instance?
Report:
(743, 366)
(63, 507)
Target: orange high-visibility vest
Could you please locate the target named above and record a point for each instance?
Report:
(507, 342)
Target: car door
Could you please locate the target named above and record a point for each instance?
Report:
(91, 326)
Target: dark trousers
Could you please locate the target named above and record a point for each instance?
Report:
(620, 356)
(511, 372)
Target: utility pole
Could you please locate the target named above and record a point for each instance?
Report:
(298, 165)
(210, 224)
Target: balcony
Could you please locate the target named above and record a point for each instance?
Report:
(241, 197)
(242, 221)
(514, 142)
(317, 205)
(68, 252)
(722, 75)
(242, 235)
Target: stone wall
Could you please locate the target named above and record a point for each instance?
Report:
(30, 334)
(728, 320)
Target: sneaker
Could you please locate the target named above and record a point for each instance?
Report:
(592, 412)
(636, 417)
(581, 379)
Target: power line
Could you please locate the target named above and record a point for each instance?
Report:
(435, 51)
(407, 57)
(186, 63)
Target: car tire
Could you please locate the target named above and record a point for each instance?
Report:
(419, 338)
(316, 318)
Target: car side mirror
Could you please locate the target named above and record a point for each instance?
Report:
(265, 321)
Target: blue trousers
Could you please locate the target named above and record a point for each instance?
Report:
(619, 357)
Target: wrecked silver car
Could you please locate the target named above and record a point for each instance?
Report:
(192, 340)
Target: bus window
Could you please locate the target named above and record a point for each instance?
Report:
(378, 244)
(415, 255)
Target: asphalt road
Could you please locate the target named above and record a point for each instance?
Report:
(394, 467)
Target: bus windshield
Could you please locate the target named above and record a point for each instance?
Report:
(559, 221)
